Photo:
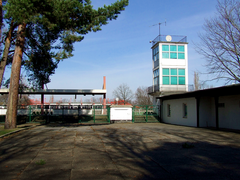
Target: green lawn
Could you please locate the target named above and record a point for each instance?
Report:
(5, 131)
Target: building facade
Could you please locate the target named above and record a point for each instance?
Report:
(216, 107)
(170, 65)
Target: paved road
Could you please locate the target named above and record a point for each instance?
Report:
(120, 151)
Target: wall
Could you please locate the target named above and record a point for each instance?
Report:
(207, 116)
(229, 115)
(173, 63)
(121, 112)
(176, 106)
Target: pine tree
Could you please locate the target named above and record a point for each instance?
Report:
(63, 20)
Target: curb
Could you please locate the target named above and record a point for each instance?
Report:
(13, 132)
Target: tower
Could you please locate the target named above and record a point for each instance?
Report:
(170, 65)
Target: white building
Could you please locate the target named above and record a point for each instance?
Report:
(170, 65)
(215, 107)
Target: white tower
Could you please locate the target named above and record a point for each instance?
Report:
(170, 65)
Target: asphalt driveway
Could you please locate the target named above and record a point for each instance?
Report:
(120, 151)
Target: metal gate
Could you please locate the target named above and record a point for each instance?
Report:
(69, 114)
(145, 113)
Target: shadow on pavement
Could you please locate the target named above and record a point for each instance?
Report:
(145, 151)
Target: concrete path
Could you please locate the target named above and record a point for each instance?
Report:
(120, 151)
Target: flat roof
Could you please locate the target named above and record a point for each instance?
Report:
(213, 92)
(60, 91)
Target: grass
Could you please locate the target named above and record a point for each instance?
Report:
(5, 131)
(41, 162)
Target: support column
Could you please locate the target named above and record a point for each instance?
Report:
(104, 96)
(42, 100)
(161, 110)
(216, 111)
(197, 106)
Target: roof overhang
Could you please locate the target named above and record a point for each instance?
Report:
(212, 92)
(60, 91)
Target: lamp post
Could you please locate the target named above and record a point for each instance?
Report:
(117, 100)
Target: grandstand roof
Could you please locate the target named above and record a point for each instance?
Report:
(60, 91)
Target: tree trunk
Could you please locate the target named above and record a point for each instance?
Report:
(11, 116)
(5, 52)
(1, 21)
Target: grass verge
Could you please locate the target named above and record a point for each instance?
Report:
(5, 131)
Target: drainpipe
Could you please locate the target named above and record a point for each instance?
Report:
(216, 111)
(197, 106)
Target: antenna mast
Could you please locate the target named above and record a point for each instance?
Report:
(160, 26)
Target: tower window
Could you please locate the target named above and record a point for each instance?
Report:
(156, 77)
(173, 52)
(156, 54)
(173, 76)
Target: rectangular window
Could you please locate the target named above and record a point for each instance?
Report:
(181, 80)
(181, 72)
(173, 80)
(165, 55)
(173, 52)
(165, 47)
(181, 56)
(165, 80)
(173, 76)
(222, 105)
(156, 73)
(173, 48)
(168, 110)
(173, 55)
(156, 77)
(155, 52)
(184, 110)
(173, 71)
(165, 71)
(181, 49)
(156, 82)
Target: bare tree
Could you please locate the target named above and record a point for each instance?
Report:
(196, 81)
(220, 44)
(200, 84)
(3, 99)
(51, 99)
(142, 97)
(24, 100)
(123, 92)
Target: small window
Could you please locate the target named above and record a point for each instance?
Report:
(173, 71)
(173, 80)
(173, 48)
(221, 105)
(166, 80)
(181, 72)
(180, 48)
(165, 47)
(181, 56)
(165, 71)
(181, 80)
(168, 110)
(184, 110)
(165, 55)
(173, 55)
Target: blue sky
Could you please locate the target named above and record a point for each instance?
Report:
(122, 52)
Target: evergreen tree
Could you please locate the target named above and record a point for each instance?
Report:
(61, 20)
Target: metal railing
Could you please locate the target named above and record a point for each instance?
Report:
(145, 113)
(68, 114)
(170, 88)
(175, 38)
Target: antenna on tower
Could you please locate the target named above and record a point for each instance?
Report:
(160, 26)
